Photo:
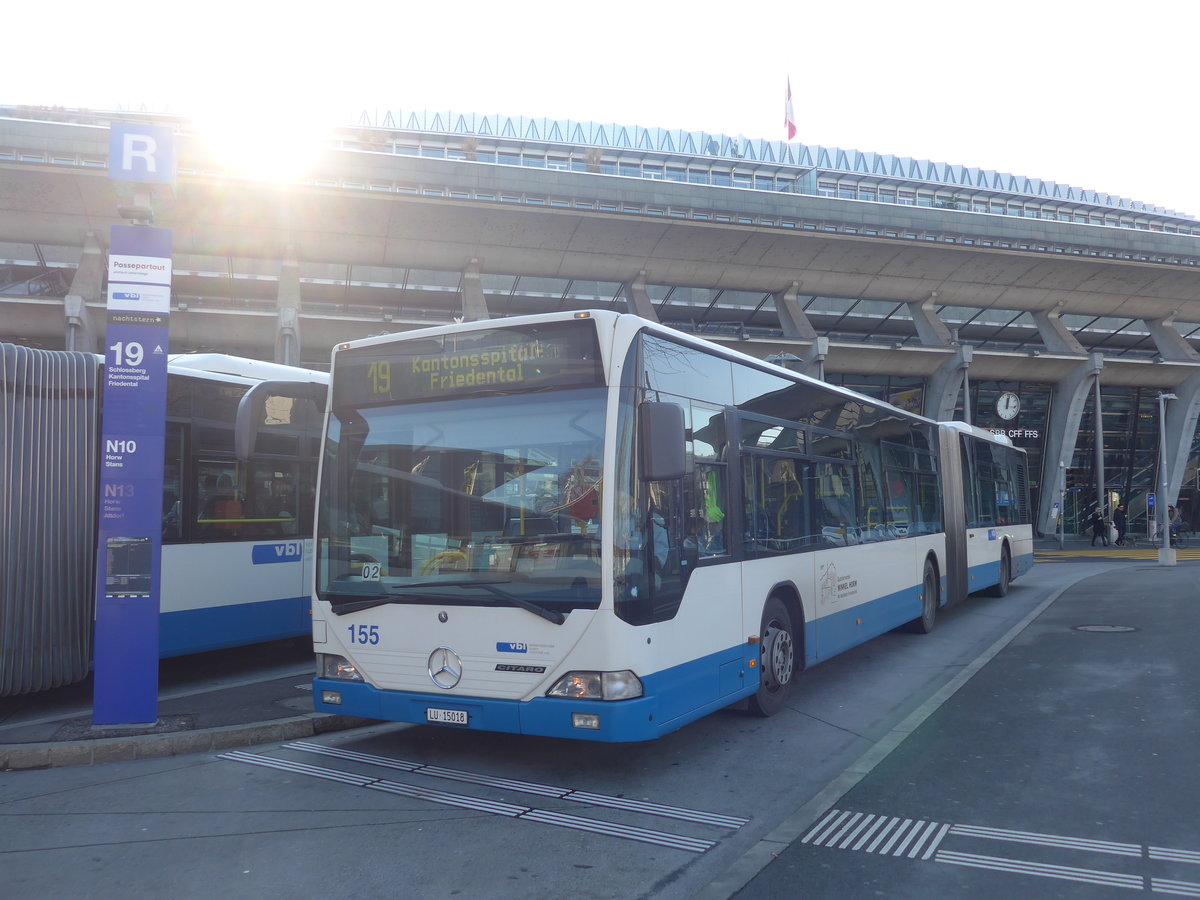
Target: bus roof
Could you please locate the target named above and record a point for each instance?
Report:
(242, 368)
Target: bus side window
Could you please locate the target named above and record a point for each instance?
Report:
(272, 501)
(834, 505)
(710, 512)
(172, 531)
(707, 503)
(221, 512)
(172, 518)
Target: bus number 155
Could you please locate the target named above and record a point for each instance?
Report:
(364, 634)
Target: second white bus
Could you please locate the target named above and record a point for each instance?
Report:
(236, 534)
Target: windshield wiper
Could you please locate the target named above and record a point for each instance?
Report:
(356, 602)
(336, 597)
(550, 615)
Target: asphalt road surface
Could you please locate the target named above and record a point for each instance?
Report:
(719, 807)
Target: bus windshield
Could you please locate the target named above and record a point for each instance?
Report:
(482, 500)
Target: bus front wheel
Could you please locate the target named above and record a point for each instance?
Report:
(777, 659)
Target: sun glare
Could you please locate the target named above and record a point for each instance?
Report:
(266, 147)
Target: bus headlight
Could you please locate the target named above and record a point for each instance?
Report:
(332, 666)
(623, 685)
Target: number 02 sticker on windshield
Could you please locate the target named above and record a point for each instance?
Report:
(370, 571)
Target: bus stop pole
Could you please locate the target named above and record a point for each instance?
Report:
(133, 413)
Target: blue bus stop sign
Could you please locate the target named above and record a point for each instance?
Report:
(131, 472)
(141, 153)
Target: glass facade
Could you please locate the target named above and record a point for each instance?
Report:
(1131, 447)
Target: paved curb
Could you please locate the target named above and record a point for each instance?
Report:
(52, 754)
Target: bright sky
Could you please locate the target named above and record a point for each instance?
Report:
(1098, 94)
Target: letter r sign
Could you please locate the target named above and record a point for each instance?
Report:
(142, 153)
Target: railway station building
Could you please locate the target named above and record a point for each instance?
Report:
(1065, 318)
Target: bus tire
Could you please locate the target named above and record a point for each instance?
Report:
(777, 659)
(930, 598)
(1000, 588)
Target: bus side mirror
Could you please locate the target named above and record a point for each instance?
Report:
(253, 404)
(662, 438)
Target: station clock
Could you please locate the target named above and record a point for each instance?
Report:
(1008, 404)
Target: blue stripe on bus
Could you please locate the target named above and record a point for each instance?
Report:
(673, 698)
(983, 576)
(839, 631)
(217, 627)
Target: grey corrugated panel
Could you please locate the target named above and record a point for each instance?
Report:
(48, 470)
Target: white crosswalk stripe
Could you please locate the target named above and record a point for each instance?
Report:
(894, 836)
(528, 787)
(687, 843)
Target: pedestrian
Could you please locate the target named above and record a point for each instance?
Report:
(1173, 520)
(1119, 523)
(1097, 521)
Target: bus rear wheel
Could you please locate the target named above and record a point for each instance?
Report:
(777, 660)
(930, 590)
(1000, 588)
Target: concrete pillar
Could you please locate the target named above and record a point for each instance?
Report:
(1170, 343)
(474, 304)
(930, 329)
(812, 363)
(82, 332)
(1066, 412)
(1181, 418)
(792, 317)
(945, 385)
(814, 357)
(287, 301)
(1181, 414)
(637, 301)
(1054, 334)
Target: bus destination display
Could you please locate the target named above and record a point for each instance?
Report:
(564, 354)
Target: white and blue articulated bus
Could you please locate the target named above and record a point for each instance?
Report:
(588, 525)
(236, 532)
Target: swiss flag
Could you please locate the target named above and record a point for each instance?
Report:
(789, 117)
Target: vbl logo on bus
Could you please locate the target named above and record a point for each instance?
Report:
(285, 551)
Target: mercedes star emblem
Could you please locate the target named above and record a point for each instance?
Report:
(445, 668)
